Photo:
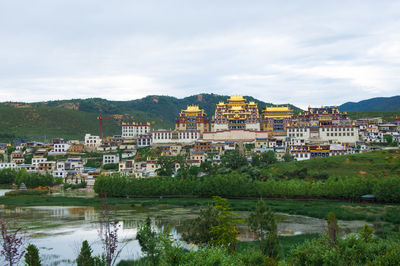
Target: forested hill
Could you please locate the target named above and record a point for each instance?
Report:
(380, 104)
(74, 118)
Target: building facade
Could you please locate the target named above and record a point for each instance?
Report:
(236, 114)
(276, 119)
(321, 116)
(133, 130)
(175, 136)
(192, 118)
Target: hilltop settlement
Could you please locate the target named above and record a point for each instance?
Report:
(237, 125)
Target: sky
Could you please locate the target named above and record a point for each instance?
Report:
(300, 52)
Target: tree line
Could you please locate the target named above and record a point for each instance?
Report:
(9, 176)
(238, 185)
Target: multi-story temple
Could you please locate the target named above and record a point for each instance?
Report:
(276, 119)
(193, 118)
(236, 114)
(324, 116)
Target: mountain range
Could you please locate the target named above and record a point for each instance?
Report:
(379, 104)
(71, 119)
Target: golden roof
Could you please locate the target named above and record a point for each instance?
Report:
(236, 98)
(278, 109)
(192, 108)
(236, 108)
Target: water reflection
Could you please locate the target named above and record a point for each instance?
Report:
(59, 231)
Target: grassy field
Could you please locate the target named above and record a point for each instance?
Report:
(371, 164)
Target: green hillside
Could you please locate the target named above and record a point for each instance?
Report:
(71, 119)
(378, 164)
(386, 116)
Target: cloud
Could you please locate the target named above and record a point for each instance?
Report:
(303, 52)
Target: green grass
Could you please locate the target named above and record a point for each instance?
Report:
(386, 116)
(286, 243)
(371, 164)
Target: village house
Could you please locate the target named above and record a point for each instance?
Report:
(92, 142)
(110, 158)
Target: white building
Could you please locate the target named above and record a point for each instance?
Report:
(110, 158)
(301, 133)
(92, 142)
(59, 149)
(8, 165)
(179, 136)
(331, 133)
(36, 161)
(144, 140)
(133, 130)
(343, 134)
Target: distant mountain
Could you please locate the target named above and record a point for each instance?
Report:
(74, 118)
(380, 104)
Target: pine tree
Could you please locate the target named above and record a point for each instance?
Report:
(85, 256)
(32, 256)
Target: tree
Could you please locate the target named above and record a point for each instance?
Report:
(288, 157)
(108, 233)
(85, 256)
(11, 244)
(388, 138)
(263, 223)
(32, 256)
(233, 159)
(216, 225)
(148, 241)
(167, 166)
(333, 228)
(225, 232)
(268, 157)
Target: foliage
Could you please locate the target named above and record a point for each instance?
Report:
(110, 166)
(32, 256)
(352, 250)
(268, 157)
(239, 185)
(29, 192)
(85, 256)
(108, 233)
(333, 228)
(263, 223)
(149, 241)
(287, 157)
(215, 225)
(11, 243)
(7, 175)
(233, 159)
(93, 163)
(82, 184)
(387, 190)
(224, 233)
(388, 138)
(167, 165)
(31, 180)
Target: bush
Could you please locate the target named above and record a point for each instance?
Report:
(29, 192)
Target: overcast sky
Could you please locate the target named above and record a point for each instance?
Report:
(301, 52)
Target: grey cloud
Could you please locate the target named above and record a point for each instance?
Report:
(302, 52)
